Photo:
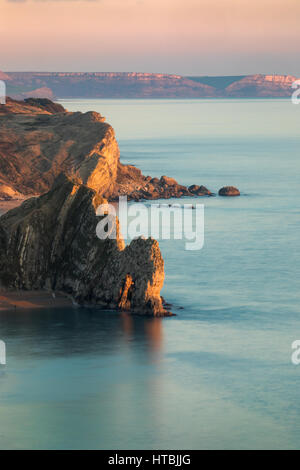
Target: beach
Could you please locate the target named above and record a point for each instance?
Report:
(20, 300)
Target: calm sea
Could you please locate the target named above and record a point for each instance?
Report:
(219, 374)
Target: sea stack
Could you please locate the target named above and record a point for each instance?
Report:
(50, 243)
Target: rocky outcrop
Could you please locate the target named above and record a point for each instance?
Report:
(131, 182)
(39, 139)
(29, 106)
(229, 191)
(50, 243)
(200, 190)
(45, 104)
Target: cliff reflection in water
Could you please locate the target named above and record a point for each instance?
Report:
(67, 332)
(149, 330)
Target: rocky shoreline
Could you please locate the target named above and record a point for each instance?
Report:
(63, 165)
(49, 243)
(40, 139)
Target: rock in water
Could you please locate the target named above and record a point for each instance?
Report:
(50, 243)
(229, 191)
(40, 139)
(199, 190)
(167, 181)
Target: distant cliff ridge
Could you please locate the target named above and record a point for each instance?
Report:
(143, 85)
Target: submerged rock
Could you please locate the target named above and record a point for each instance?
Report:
(50, 243)
(229, 191)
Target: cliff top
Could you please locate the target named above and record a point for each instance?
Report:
(31, 106)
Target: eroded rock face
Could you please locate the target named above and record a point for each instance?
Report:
(30, 106)
(229, 191)
(200, 190)
(132, 183)
(50, 243)
(37, 146)
(39, 139)
(45, 104)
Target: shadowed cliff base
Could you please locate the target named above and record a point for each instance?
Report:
(24, 300)
(50, 243)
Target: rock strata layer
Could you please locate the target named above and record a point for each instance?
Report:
(39, 139)
(50, 243)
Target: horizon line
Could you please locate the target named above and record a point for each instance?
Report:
(146, 73)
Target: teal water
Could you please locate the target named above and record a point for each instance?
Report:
(218, 375)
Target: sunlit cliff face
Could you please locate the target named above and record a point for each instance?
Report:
(173, 36)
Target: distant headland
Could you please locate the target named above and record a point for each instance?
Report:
(62, 85)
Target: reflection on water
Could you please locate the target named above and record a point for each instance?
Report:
(152, 329)
(219, 374)
(80, 331)
(88, 366)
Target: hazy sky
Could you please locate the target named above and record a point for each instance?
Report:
(174, 36)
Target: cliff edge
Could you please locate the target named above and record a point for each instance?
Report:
(39, 139)
(50, 243)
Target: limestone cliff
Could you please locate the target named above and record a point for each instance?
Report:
(50, 243)
(30, 106)
(145, 85)
(38, 142)
(262, 86)
(39, 139)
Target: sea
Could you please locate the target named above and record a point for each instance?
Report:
(219, 374)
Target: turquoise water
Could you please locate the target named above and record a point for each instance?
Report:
(219, 374)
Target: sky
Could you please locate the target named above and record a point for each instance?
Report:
(187, 37)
